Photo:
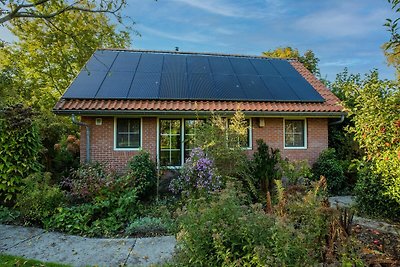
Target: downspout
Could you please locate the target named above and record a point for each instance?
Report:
(339, 121)
(87, 135)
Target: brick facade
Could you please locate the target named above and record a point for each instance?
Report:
(102, 139)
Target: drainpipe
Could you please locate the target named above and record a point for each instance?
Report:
(87, 135)
(337, 122)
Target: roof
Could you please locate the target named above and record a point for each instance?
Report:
(130, 81)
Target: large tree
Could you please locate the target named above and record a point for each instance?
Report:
(49, 52)
(309, 60)
(14, 9)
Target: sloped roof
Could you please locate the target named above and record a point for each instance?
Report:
(129, 81)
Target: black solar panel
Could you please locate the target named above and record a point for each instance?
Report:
(155, 75)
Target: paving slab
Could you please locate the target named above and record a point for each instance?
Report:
(342, 201)
(37, 244)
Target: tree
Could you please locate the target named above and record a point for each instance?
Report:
(392, 47)
(50, 52)
(14, 9)
(309, 60)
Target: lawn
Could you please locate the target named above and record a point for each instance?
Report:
(13, 261)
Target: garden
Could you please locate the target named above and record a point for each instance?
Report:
(224, 207)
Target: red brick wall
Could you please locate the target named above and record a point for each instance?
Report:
(102, 139)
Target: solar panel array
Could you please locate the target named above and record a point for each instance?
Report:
(112, 74)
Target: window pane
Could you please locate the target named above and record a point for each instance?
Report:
(170, 142)
(128, 133)
(294, 133)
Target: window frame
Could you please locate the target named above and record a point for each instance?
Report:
(305, 130)
(181, 128)
(116, 135)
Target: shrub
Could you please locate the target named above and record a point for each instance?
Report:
(146, 226)
(8, 215)
(265, 162)
(198, 175)
(225, 232)
(19, 153)
(143, 173)
(90, 181)
(296, 172)
(328, 166)
(39, 200)
(371, 195)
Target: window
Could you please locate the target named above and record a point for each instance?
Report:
(190, 135)
(246, 141)
(127, 133)
(295, 134)
(170, 142)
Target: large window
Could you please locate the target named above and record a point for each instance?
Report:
(170, 142)
(295, 134)
(127, 133)
(190, 135)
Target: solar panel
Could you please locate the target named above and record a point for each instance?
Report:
(220, 65)
(85, 85)
(255, 88)
(145, 86)
(285, 68)
(116, 85)
(228, 87)
(201, 86)
(173, 86)
(126, 62)
(174, 64)
(264, 67)
(150, 63)
(279, 89)
(198, 64)
(242, 66)
(157, 75)
(303, 89)
(101, 61)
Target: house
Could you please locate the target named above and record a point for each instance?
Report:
(130, 100)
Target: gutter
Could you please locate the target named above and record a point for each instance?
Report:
(205, 113)
(87, 136)
(337, 122)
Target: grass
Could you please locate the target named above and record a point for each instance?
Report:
(14, 261)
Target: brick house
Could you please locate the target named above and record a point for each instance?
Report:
(131, 100)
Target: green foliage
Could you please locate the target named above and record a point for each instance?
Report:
(222, 142)
(309, 60)
(8, 215)
(329, 166)
(297, 172)
(222, 231)
(265, 164)
(142, 171)
(20, 147)
(372, 197)
(392, 47)
(38, 199)
(146, 226)
(13, 261)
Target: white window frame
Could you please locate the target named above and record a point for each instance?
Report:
(305, 130)
(115, 135)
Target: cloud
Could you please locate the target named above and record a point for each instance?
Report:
(185, 37)
(344, 21)
(224, 8)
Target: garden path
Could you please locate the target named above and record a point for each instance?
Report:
(35, 243)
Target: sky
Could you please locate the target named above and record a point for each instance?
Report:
(341, 33)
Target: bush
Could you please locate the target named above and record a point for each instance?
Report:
(19, 153)
(328, 166)
(225, 232)
(197, 176)
(146, 226)
(265, 162)
(143, 173)
(8, 215)
(296, 172)
(371, 198)
(38, 200)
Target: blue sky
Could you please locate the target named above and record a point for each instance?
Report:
(342, 33)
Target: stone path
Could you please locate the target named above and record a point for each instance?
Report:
(348, 201)
(34, 243)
